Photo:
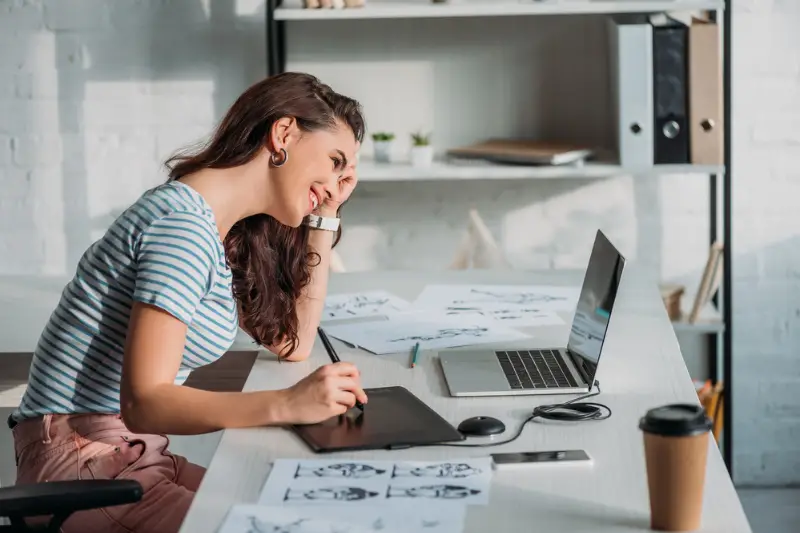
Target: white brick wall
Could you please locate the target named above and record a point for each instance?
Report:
(94, 95)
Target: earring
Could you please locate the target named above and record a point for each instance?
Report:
(279, 162)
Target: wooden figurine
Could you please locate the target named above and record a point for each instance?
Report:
(354, 3)
(311, 4)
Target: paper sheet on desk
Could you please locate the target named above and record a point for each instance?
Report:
(510, 316)
(351, 483)
(341, 519)
(539, 297)
(403, 330)
(362, 304)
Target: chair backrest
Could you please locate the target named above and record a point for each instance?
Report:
(478, 248)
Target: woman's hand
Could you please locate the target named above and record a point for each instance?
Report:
(328, 391)
(346, 184)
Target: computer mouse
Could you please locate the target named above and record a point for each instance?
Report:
(481, 426)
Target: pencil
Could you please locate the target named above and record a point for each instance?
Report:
(333, 355)
(414, 358)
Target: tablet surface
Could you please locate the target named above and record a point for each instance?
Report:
(392, 418)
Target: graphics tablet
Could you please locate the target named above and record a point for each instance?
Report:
(392, 418)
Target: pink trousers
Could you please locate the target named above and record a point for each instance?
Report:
(65, 447)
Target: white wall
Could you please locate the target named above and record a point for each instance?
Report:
(94, 95)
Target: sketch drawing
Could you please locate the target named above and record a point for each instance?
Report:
(430, 523)
(339, 470)
(362, 304)
(255, 525)
(338, 494)
(516, 298)
(445, 333)
(441, 470)
(441, 492)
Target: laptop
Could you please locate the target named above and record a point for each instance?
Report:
(570, 369)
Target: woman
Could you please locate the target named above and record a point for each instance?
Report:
(240, 235)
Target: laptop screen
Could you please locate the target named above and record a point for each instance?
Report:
(595, 304)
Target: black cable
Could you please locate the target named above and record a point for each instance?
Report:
(569, 411)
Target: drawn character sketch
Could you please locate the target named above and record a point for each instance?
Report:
(519, 298)
(427, 524)
(358, 302)
(447, 333)
(337, 494)
(340, 470)
(438, 492)
(441, 470)
(259, 526)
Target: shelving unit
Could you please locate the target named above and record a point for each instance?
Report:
(715, 320)
(446, 171)
(499, 8)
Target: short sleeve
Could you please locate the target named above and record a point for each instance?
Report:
(176, 258)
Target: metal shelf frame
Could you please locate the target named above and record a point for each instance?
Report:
(719, 211)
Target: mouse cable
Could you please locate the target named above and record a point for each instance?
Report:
(569, 411)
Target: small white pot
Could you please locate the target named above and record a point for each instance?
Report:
(383, 151)
(421, 156)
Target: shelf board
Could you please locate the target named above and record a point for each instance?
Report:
(709, 321)
(370, 171)
(494, 8)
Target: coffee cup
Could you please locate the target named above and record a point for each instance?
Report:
(676, 449)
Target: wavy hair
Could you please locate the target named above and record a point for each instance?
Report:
(271, 263)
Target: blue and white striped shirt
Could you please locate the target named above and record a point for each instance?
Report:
(164, 250)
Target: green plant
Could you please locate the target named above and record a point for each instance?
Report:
(421, 139)
(382, 136)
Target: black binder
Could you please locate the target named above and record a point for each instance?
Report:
(670, 90)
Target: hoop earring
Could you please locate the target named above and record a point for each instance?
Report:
(281, 162)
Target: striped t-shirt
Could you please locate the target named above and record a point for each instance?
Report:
(164, 250)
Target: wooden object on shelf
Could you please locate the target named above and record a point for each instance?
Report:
(709, 283)
(337, 265)
(523, 152)
(671, 295)
(711, 398)
(478, 248)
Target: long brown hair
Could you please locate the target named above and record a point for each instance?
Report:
(270, 262)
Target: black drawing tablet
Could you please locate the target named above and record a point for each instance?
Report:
(392, 418)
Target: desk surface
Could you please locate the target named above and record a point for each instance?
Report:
(641, 367)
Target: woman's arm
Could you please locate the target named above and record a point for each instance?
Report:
(312, 301)
(150, 401)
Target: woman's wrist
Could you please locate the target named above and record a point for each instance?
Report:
(271, 408)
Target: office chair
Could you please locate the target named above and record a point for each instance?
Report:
(59, 499)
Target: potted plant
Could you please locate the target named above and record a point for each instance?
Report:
(382, 142)
(421, 150)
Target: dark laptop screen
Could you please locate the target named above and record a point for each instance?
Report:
(595, 304)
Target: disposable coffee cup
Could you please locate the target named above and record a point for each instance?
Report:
(676, 449)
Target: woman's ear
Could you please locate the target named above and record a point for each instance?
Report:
(282, 132)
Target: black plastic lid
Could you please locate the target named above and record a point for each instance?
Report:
(676, 420)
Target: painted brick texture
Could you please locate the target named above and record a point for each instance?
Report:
(94, 95)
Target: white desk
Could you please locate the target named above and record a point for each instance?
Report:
(641, 367)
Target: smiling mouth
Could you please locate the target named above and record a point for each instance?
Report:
(313, 200)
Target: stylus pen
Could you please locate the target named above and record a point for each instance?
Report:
(333, 355)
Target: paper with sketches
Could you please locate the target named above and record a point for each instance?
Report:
(362, 304)
(523, 316)
(433, 331)
(541, 297)
(341, 519)
(351, 483)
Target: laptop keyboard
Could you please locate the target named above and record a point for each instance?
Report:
(535, 369)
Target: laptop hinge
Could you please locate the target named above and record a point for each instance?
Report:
(579, 365)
